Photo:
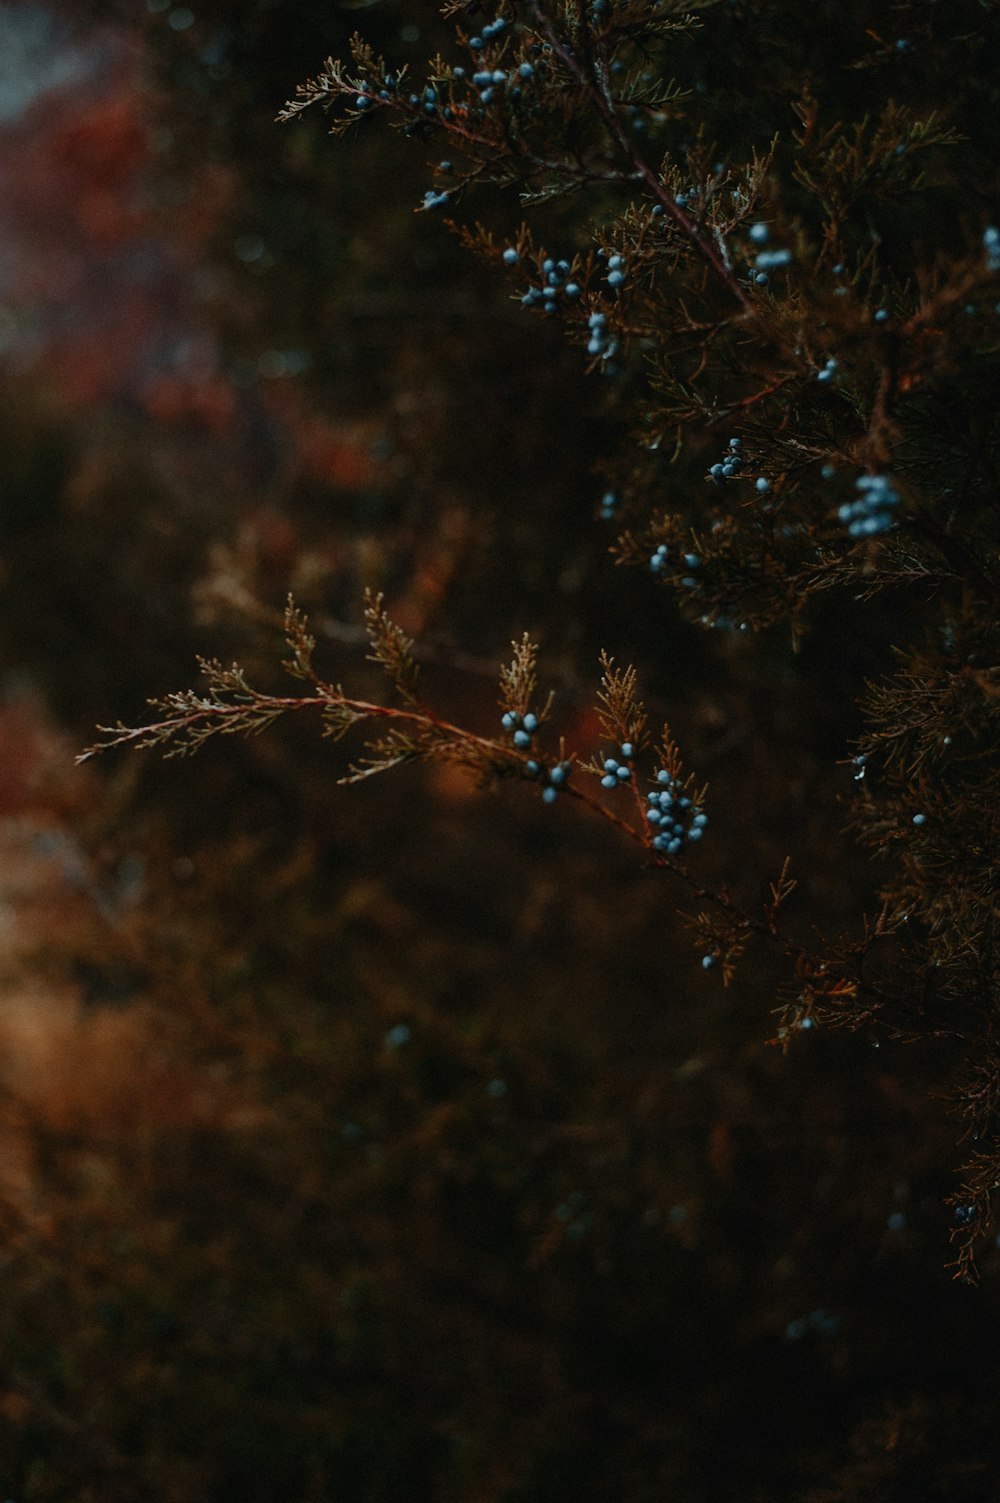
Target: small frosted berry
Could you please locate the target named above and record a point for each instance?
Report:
(530, 723)
(759, 234)
(991, 245)
(769, 260)
(511, 256)
(920, 819)
(763, 484)
(626, 748)
(964, 1215)
(616, 278)
(708, 961)
(522, 740)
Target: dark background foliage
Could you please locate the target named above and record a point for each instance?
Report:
(391, 1142)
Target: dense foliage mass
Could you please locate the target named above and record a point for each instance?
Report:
(444, 1165)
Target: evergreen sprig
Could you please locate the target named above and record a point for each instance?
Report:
(804, 359)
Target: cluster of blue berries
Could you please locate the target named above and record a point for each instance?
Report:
(872, 513)
(769, 261)
(766, 260)
(827, 371)
(490, 30)
(616, 277)
(600, 341)
(730, 464)
(555, 778)
(609, 505)
(522, 726)
(554, 287)
(678, 819)
(428, 103)
(487, 81)
(964, 1215)
(617, 772)
(991, 245)
(683, 200)
(658, 562)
